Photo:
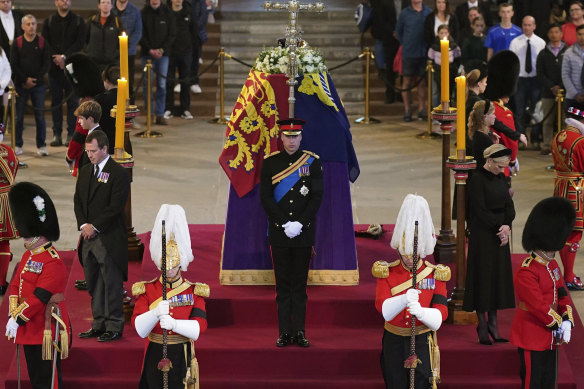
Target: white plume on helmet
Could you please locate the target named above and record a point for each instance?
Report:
(414, 208)
(177, 229)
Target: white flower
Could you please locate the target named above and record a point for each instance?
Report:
(39, 203)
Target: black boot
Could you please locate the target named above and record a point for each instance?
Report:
(301, 340)
(283, 340)
(494, 328)
(483, 330)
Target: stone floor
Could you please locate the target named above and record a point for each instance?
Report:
(181, 167)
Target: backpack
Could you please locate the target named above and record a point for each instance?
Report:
(41, 42)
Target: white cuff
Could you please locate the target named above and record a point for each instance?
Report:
(188, 328)
(145, 323)
(432, 318)
(392, 306)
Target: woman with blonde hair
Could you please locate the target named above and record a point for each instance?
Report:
(489, 277)
(481, 117)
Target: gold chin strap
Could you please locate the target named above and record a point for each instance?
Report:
(172, 255)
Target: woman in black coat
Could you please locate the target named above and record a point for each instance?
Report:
(440, 15)
(489, 277)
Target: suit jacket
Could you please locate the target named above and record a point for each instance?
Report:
(461, 13)
(102, 204)
(4, 42)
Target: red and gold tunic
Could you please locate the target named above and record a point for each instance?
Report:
(8, 168)
(543, 304)
(505, 115)
(395, 279)
(41, 274)
(568, 153)
(186, 303)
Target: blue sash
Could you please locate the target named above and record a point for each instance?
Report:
(287, 183)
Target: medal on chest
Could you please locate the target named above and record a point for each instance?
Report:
(427, 283)
(556, 274)
(33, 267)
(182, 300)
(304, 171)
(304, 190)
(103, 177)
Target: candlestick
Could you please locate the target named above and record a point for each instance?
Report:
(121, 113)
(460, 113)
(444, 65)
(124, 56)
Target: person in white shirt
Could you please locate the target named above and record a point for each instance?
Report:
(527, 46)
(11, 25)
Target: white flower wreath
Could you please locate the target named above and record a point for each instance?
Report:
(274, 60)
(39, 203)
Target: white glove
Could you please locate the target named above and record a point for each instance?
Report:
(295, 228)
(162, 308)
(566, 329)
(288, 231)
(431, 317)
(189, 328)
(392, 306)
(412, 296)
(11, 328)
(167, 322)
(145, 322)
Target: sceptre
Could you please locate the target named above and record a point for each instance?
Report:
(412, 361)
(165, 364)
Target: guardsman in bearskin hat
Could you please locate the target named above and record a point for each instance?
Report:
(568, 154)
(8, 168)
(182, 314)
(503, 70)
(398, 301)
(38, 316)
(543, 319)
(291, 190)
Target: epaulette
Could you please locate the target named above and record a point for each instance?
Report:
(140, 287)
(269, 155)
(201, 289)
(310, 153)
(380, 269)
(527, 261)
(441, 272)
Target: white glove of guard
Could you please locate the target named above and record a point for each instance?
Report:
(288, 231)
(11, 328)
(167, 322)
(412, 296)
(566, 329)
(295, 228)
(162, 308)
(431, 317)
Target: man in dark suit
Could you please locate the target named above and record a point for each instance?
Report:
(11, 21)
(461, 13)
(291, 189)
(100, 197)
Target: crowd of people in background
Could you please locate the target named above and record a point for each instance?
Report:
(547, 37)
(27, 56)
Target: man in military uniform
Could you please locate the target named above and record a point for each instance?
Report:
(8, 168)
(182, 314)
(36, 291)
(291, 189)
(399, 302)
(568, 154)
(543, 319)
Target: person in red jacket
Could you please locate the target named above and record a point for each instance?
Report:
(543, 319)
(8, 169)
(568, 154)
(182, 314)
(399, 302)
(36, 300)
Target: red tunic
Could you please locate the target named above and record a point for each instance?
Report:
(505, 115)
(41, 274)
(543, 304)
(433, 294)
(8, 168)
(568, 153)
(185, 304)
(76, 147)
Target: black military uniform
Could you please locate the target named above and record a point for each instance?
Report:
(291, 189)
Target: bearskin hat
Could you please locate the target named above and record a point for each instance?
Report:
(178, 238)
(503, 70)
(33, 211)
(84, 75)
(549, 224)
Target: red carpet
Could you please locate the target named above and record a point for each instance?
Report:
(238, 350)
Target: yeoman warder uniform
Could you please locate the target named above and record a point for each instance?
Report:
(8, 168)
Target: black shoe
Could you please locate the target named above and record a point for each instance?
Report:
(301, 340)
(90, 334)
(422, 116)
(283, 340)
(575, 284)
(109, 336)
(57, 141)
(407, 117)
(69, 137)
(498, 340)
(483, 337)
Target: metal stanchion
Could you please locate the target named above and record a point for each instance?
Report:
(559, 104)
(222, 119)
(366, 119)
(12, 97)
(148, 133)
(429, 133)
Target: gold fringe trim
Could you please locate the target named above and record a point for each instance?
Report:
(47, 350)
(266, 277)
(64, 344)
(420, 329)
(570, 314)
(556, 319)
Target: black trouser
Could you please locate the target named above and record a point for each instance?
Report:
(131, 75)
(537, 369)
(182, 64)
(291, 271)
(395, 351)
(40, 372)
(60, 87)
(197, 50)
(152, 377)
